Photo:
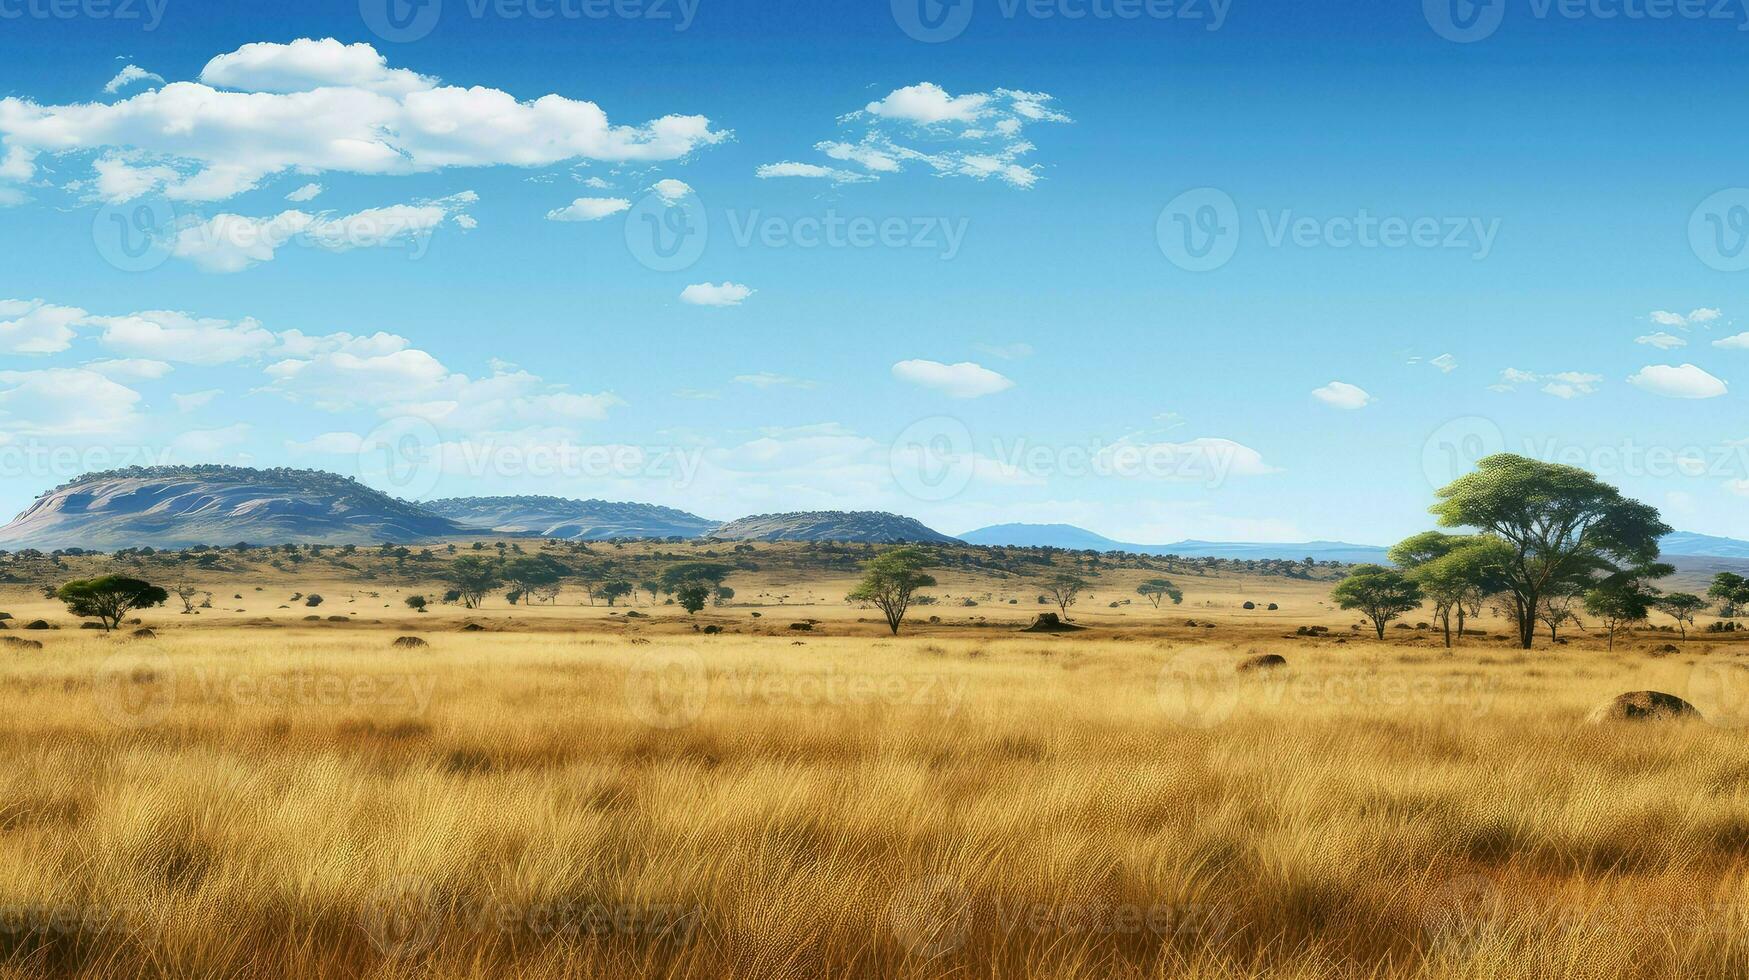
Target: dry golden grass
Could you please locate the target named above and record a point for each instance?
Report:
(308, 801)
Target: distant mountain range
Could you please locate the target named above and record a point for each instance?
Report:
(1080, 539)
(1681, 544)
(181, 506)
(830, 525)
(577, 520)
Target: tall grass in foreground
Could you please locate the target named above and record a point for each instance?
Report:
(307, 804)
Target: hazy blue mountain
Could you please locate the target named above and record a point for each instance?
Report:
(180, 506)
(1072, 537)
(870, 526)
(1687, 543)
(579, 520)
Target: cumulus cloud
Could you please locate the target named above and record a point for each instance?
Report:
(130, 369)
(233, 242)
(1561, 384)
(707, 294)
(1684, 381)
(36, 327)
(1694, 318)
(167, 335)
(64, 402)
(1341, 394)
(672, 190)
(195, 400)
(980, 135)
(319, 106)
(1661, 340)
(128, 76)
(589, 209)
(963, 380)
(1736, 342)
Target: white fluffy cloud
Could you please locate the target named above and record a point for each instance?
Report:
(62, 402)
(1736, 342)
(1341, 394)
(167, 335)
(128, 76)
(1661, 340)
(1561, 384)
(130, 369)
(36, 327)
(589, 209)
(318, 107)
(195, 400)
(308, 192)
(963, 380)
(233, 242)
(979, 135)
(1699, 317)
(1685, 381)
(707, 294)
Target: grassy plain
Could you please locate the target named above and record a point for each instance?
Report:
(574, 792)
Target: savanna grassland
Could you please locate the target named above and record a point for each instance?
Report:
(572, 791)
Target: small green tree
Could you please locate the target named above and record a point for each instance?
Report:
(1382, 594)
(473, 577)
(1682, 607)
(1156, 589)
(692, 596)
(529, 577)
(890, 581)
(1731, 591)
(417, 603)
(653, 587)
(1619, 604)
(110, 598)
(616, 590)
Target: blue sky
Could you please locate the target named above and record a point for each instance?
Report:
(944, 277)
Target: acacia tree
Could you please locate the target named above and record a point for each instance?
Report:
(1456, 572)
(1682, 607)
(891, 580)
(532, 577)
(472, 577)
(1381, 594)
(109, 598)
(1732, 592)
(1156, 589)
(187, 593)
(1618, 604)
(616, 590)
(1064, 589)
(1559, 521)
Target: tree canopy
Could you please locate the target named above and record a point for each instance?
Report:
(110, 598)
(890, 581)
